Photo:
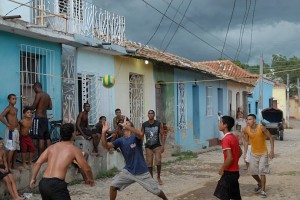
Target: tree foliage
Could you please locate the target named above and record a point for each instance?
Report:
(281, 66)
(254, 69)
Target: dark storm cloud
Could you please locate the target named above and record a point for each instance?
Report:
(276, 27)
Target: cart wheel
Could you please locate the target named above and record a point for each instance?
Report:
(281, 135)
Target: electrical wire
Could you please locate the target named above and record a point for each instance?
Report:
(241, 30)
(278, 66)
(177, 10)
(283, 71)
(241, 46)
(251, 32)
(204, 30)
(17, 7)
(187, 30)
(228, 28)
(159, 23)
(178, 26)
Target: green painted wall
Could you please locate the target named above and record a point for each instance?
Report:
(165, 75)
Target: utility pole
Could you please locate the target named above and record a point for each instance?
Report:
(288, 100)
(261, 81)
(298, 87)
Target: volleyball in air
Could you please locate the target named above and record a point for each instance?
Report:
(108, 81)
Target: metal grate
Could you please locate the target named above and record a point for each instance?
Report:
(69, 84)
(78, 17)
(136, 99)
(97, 96)
(36, 64)
(181, 106)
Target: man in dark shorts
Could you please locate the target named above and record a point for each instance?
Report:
(135, 170)
(82, 125)
(228, 186)
(155, 142)
(58, 157)
(42, 103)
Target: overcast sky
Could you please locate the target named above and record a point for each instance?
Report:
(276, 27)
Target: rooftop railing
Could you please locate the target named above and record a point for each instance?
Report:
(77, 17)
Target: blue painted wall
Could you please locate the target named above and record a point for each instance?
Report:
(10, 45)
(208, 124)
(94, 61)
(253, 100)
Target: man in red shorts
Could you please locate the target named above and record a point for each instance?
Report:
(25, 139)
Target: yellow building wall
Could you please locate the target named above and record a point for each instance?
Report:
(279, 94)
(123, 67)
(294, 109)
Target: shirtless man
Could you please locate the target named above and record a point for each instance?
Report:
(119, 118)
(82, 125)
(25, 138)
(11, 141)
(41, 104)
(59, 156)
(7, 176)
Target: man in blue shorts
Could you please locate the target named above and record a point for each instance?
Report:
(136, 169)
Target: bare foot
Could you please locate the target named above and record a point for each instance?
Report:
(159, 181)
(25, 166)
(12, 168)
(94, 154)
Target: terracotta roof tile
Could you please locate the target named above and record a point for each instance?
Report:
(224, 69)
(228, 68)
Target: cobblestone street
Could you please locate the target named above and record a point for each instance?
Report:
(197, 178)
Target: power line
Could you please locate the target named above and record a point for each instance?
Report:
(187, 30)
(177, 10)
(241, 30)
(17, 7)
(178, 25)
(256, 71)
(277, 66)
(251, 31)
(203, 29)
(286, 61)
(283, 71)
(159, 22)
(228, 28)
(245, 23)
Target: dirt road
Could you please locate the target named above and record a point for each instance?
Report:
(196, 178)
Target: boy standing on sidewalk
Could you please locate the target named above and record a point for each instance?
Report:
(11, 141)
(228, 186)
(25, 139)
